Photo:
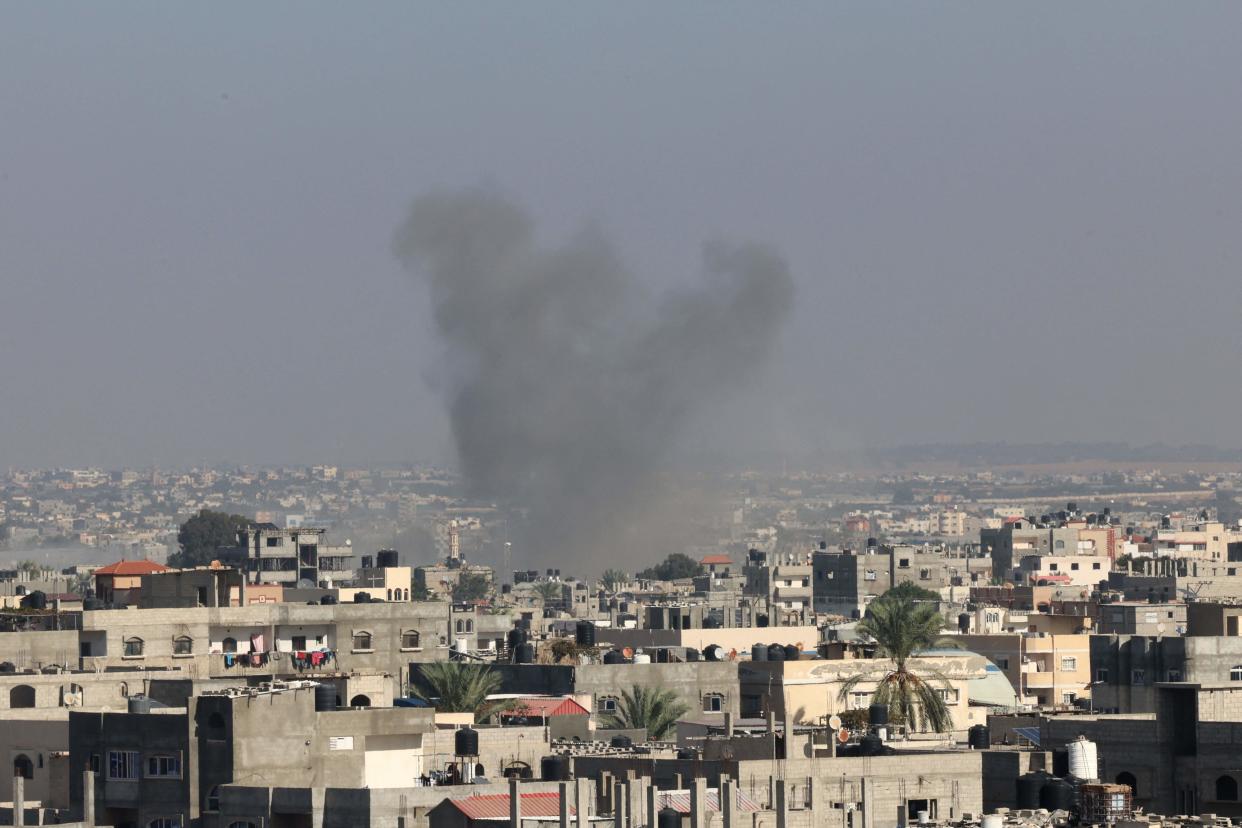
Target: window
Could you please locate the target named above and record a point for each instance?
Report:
(606, 704)
(1101, 675)
(23, 695)
(460, 626)
(93, 764)
(1074, 567)
(947, 695)
(1068, 698)
(299, 643)
(1138, 676)
(213, 799)
(122, 764)
(914, 806)
(183, 645)
(409, 640)
(23, 767)
(229, 645)
(165, 822)
(1053, 566)
(713, 703)
(904, 563)
(1235, 674)
(273, 542)
(924, 574)
(1002, 663)
(362, 640)
(1226, 789)
(360, 701)
(1095, 565)
(1175, 675)
(869, 575)
(1127, 778)
(133, 647)
(1069, 664)
(164, 765)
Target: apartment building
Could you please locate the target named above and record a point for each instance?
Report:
(291, 557)
(1046, 669)
(783, 581)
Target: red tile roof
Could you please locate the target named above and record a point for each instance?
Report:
(131, 568)
(545, 707)
(716, 559)
(680, 801)
(496, 806)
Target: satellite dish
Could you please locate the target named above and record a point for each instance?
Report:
(834, 721)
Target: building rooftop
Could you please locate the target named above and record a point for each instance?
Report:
(139, 567)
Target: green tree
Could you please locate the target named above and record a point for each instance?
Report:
(203, 534)
(912, 592)
(550, 593)
(472, 586)
(457, 687)
(902, 627)
(613, 579)
(654, 709)
(675, 567)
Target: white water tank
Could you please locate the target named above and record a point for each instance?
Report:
(993, 821)
(1083, 761)
(642, 658)
(461, 645)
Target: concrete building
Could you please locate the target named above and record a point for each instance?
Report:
(1048, 670)
(783, 582)
(291, 557)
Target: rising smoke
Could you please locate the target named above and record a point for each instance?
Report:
(567, 383)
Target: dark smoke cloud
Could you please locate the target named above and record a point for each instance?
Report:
(568, 384)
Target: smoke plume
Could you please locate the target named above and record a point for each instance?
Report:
(568, 384)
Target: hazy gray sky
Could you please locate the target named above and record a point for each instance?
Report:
(1003, 221)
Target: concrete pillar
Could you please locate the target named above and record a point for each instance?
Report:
(782, 804)
(618, 805)
(634, 801)
(728, 724)
(788, 733)
(19, 799)
(515, 804)
(868, 806)
(770, 716)
(653, 805)
(811, 793)
(728, 802)
(564, 809)
(698, 803)
(582, 802)
(88, 799)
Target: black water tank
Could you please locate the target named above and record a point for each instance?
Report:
(139, 704)
(386, 558)
(776, 652)
(963, 622)
(761, 620)
(554, 769)
(35, 600)
(662, 656)
(1029, 786)
(327, 600)
(621, 742)
(714, 652)
(466, 742)
(692, 654)
(516, 636)
(870, 745)
(877, 715)
(524, 654)
(614, 657)
(686, 753)
(979, 737)
(792, 652)
(1057, 795)
(584, 634)
(92, 604)
(362, 597)
(668, 819)
(759, 652)
(325, 698)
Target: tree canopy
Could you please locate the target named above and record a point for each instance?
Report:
(654, 709)
(457, 687)
(902, 625)
(471, 586)
(672, 568)
(613, 579)
(203, 534)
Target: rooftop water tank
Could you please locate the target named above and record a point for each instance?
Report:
(1057, 795)
(759, 652)
(554, 769)
(1083, 760)
(584, 634)
(466, 742)
(325, 698)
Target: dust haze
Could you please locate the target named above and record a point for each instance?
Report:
(567, 383)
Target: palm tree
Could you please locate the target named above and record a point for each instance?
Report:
(902, 628)
(549, 592)
(654, 709)
(457, 687)
(613, 579)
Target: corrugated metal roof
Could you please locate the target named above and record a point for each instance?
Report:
(680, 801)
(496, 806)
(564, 706)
